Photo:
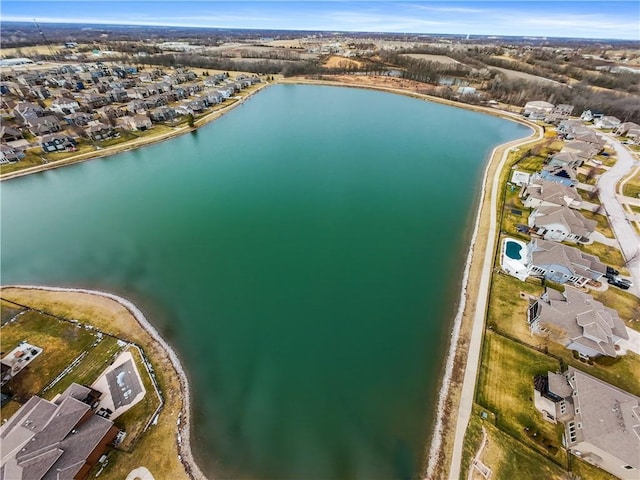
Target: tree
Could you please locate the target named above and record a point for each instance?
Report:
(190, 120)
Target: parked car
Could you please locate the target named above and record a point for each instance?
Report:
(622, 283)
(611, 272)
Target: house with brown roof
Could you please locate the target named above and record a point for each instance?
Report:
(99, 131)
(577, 321)
(602, 422)
(54, 440)
(543, 193)
(561, 223)
(562, 264)
(43, 125)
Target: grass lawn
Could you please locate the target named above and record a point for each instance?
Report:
(506, 456)
(607, 255)
(591, 197)
(87, 371)
(157, 447)
(627, 305)
(505, 386)
(8, 311)
(532, 163)
(586, 471)
(603, 222)
(507, 307)
(632, 187)
(510, 217)
(61, 341)
(31, 159)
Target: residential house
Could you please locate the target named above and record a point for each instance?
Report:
(567, 127)
(561, 223)
(566, 159)
(563, 175)
(591, 115)
(162, 114)
(43, 125)
(542, 193)
(136, 106)
(537, 110)
(56, 143)
(63, 438)
(99, 131)
(601, 422)
(9, 154)
(213, 97)
(118, 95)
(562, 264)
(25, 110)
(625, 127)
(578, 322)
(64, 105)
(560, 112)
(136, 122)
(8, 134)
(93, 100)
(593, 139)
(582, 149)
(79, 118)
(606, 121)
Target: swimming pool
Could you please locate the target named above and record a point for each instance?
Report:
(513, 258)
(513, 249)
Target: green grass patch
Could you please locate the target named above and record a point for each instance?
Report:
(603, 225)
(531, 163)
(607, 254)
(591, 197)
(61, 342)
(586, 471)
(627, 304)
(505, 386)
(507, 457)
(91, 366)
(509, 301)
(632, 187)
(31, 159)
(8, 310)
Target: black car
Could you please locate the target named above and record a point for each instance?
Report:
(619, 282)
(611, 272)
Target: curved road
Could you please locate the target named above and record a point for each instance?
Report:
(626, 235)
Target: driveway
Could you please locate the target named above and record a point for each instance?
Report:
(626, 235)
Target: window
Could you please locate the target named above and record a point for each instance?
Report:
(628, 467)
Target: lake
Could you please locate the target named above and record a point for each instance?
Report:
(303, 254)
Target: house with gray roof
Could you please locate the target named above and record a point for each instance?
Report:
(577, 321)
(542, 193)
(623, 128)
(606, 121)
(561, 223)
(562, 264)
(562, 175)
(602, 422)
(566, 159)
(53, 440)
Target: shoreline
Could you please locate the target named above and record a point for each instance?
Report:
(134, 144)
(183, 434)
(457, 352)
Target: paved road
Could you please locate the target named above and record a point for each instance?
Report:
(625, 233)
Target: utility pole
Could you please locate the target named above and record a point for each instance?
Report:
(46, 42)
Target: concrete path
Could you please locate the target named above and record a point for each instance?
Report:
(633, 343)
(625, 233)
(140, 473)
(475, 342)
(600, 238)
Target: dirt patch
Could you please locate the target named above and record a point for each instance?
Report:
(336, 61)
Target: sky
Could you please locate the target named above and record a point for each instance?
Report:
(535, 18)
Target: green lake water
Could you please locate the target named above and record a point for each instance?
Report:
(303, 254)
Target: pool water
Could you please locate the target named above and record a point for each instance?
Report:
(512, 249)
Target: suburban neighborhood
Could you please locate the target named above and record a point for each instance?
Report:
(556, 390)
